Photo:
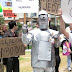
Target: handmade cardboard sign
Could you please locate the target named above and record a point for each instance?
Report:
(43, 4)
(0, 52)
(66, 49)
(51, 6)
(10, 47)
(1, 67)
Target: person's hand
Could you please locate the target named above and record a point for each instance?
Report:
(56, 36)
(60, 12)
(69, 50)
(25, 45)
(29, 29)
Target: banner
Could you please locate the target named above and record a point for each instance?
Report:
(66, 6)
(10, 47)
(25, 6)
(7, 8)
(51, 6)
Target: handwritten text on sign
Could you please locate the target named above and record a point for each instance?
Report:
(25, 6)
(10, 47)
(51, 6)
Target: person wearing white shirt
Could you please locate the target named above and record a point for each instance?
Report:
(63, 30)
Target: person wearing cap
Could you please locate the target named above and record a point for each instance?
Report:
(42, 51)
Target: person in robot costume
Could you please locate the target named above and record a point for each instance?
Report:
(42, 51)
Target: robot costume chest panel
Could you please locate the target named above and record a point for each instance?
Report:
(45, 46)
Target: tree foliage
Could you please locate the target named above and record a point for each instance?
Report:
(19, 25)
(1, 19)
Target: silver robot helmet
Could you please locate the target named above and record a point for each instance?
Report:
(24, 29)
(43, 19)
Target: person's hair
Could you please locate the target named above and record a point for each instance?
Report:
(11, 24)
(37, 22)
(53, 27)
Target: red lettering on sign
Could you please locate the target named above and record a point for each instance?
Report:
(8, 13)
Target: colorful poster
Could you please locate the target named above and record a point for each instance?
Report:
(8, 13)
(7, 4)
(1, 11)
(7, 8)
(25, 6)
(65, 49)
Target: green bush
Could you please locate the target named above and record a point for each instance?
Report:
(19, 25)
(1, 19)
(29, 47)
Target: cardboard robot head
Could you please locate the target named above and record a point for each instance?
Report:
(43, 19)
(24, 29)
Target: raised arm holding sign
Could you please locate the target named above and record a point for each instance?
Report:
(68, 35)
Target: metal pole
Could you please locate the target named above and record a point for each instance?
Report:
(31, 22)
(14, 19)
(55, 21)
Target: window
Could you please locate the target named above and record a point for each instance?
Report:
(26, 14)
(33, 14)
(9, 17)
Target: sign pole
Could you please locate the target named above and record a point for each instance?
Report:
(24, 18)
(55, 21)
(14, 19)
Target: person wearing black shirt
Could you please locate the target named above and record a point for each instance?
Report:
(11, 63)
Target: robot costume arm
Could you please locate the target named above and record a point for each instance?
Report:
(57, 42)
(55, 36)
(26, 36)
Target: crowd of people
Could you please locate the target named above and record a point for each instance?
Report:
(45, 47)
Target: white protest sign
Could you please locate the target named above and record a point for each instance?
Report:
(66, 6)
(25, 6)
